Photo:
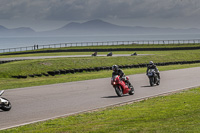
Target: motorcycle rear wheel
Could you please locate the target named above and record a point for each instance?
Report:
(6, 107)
(119, 91)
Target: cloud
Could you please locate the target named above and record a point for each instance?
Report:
(104, 9)
(14, 9)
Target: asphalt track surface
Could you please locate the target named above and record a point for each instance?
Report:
(39, 103)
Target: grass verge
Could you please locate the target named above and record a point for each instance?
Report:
(173, 113)
(11, 83)
(43, 65)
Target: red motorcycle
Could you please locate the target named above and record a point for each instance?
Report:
(121, 87)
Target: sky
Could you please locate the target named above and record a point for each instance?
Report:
(41, 15)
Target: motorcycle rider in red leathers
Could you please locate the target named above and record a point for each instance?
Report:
(118, 71)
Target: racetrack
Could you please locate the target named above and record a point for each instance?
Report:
(32, 104)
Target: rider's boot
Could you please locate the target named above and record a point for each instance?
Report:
(158, 75)
(128, 83)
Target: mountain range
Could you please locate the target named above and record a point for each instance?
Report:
(16, 31)
(93, 27)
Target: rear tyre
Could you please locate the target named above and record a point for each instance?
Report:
(6, 107)
(119, 91)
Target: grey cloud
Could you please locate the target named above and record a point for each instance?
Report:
(20, 9)
(90, 9)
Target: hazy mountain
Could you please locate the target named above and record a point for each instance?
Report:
(21, 31)
(93, 24)
(2, 28)
(89, 27)
(100, 27)
(93, 27)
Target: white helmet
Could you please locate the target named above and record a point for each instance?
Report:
(151, 63)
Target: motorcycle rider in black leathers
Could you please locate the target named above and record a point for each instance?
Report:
(118, 71)
(151, 65)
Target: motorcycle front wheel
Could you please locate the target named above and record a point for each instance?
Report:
(151, 81)
(6, 107)
(119, 91)
(132, 90)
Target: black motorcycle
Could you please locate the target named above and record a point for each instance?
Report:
(153, 77)
(5, 104)
(109, 54)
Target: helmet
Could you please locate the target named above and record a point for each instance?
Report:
(115, 67)
(151, 63)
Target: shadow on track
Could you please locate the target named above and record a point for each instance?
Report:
(147, 86)
(114, 96)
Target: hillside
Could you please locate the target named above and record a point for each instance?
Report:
(94, 27)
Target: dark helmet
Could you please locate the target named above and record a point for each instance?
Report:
(115, 67)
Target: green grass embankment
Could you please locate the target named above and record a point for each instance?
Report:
(43, 65)
(11, 83)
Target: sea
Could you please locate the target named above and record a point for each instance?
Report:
(15, 42)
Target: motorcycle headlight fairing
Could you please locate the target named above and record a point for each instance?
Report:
(4, 101)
